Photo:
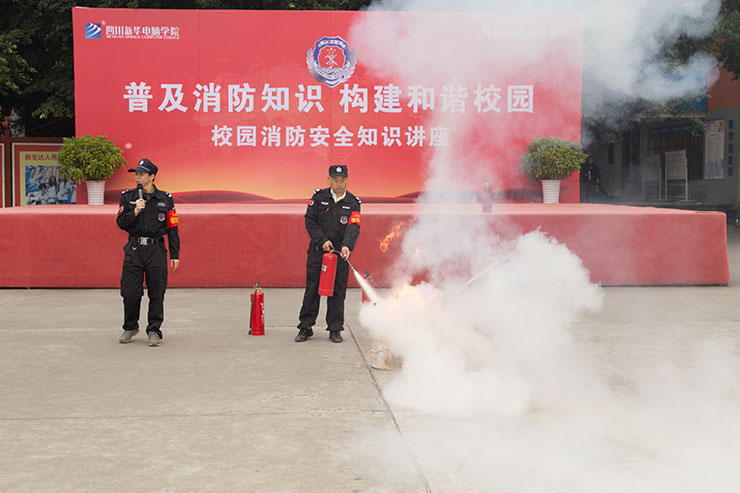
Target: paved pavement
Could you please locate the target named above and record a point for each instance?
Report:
(214, 409)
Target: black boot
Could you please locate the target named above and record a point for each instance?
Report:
(304, 334)
(335, 336)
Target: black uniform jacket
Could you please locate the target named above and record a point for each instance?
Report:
(338, 222)
(158, 218)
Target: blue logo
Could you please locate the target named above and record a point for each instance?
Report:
(92, 31)
(331, 61)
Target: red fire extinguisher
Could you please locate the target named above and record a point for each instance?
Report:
(369, 279)
(257, 317)
(328, 272)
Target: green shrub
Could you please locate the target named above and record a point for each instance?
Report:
(89, 158)
(549, 158)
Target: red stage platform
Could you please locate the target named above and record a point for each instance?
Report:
(236, 245)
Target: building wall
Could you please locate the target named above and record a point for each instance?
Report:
(622, 176)
(724, 93)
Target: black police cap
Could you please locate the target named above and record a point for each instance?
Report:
(338, 170)
(145, 166)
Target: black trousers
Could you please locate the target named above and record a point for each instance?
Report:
(144, 263)
(311, 298)
(589, 191)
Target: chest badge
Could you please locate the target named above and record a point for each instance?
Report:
(343, 219)
(160, 216)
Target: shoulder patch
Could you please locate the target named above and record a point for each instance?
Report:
(123, 191)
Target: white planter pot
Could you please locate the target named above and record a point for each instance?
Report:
(95, 192)
(550, 191)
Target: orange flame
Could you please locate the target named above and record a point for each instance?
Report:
(394, 233)
(401, 292)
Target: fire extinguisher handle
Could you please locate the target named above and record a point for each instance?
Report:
(339, 253)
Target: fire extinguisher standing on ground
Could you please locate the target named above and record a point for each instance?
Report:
(257, 317)
(369, 279)
(487, 197)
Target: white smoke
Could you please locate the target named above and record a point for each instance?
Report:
(528, 406)
(496, 345)
(623, 42)
(622, 49)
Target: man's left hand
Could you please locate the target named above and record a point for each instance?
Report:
(345, 253)
(174, 263)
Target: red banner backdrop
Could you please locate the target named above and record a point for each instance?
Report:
(254, 105)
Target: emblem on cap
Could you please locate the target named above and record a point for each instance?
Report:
(331, 61)
(339, 169)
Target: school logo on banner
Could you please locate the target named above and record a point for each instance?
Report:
(92, 30)
(330, 61)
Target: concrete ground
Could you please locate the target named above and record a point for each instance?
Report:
(214, 409)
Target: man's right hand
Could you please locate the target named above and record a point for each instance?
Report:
(328, 246)
(140, 205)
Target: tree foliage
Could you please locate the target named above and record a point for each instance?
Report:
(727, 42)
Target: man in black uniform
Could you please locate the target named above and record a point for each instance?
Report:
(146, 214)
(590, 180)
(333, 223)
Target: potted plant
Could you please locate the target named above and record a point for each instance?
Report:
(550, 160)
(92, 160)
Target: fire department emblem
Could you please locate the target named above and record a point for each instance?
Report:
(330, 61)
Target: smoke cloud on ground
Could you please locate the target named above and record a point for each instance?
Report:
(497, 345)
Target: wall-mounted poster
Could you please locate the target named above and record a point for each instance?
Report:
(36, 176)
(714, 150)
